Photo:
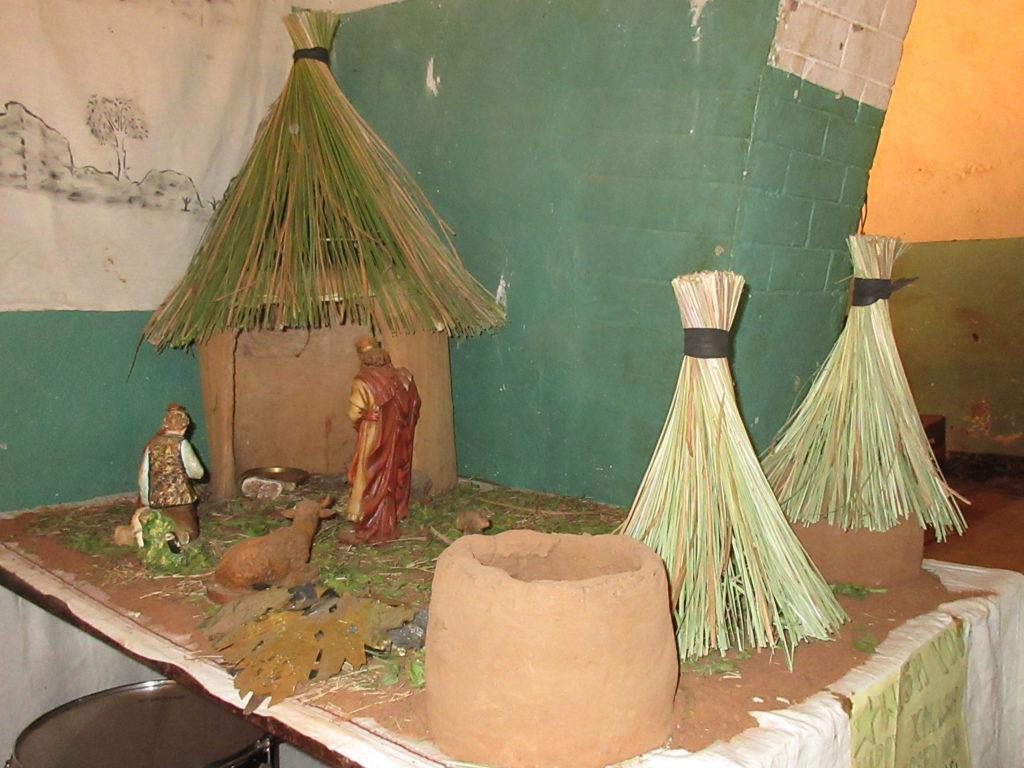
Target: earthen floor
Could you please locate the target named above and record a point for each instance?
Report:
(995, 520)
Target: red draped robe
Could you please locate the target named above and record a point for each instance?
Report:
(385, 452)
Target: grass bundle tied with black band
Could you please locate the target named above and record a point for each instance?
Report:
(854, 453)
(739, 576)
(322, 226)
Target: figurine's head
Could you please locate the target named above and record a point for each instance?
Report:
(371, 352)
(176, 420)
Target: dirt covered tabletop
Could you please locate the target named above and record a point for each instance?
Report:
(715, 694)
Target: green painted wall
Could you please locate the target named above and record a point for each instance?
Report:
(589, 151)
(805, 181)
(72, 424)
(959, 333)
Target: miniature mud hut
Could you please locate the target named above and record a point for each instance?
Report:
(852, 466)
(323, 237)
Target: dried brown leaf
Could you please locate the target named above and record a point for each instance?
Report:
(280, 654)
(247, 608)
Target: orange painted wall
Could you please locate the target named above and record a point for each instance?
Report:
(949, 178)
(950, 162)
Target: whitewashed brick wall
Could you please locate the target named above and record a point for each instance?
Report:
(852, 47)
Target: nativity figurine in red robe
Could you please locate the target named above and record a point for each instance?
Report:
(384, 407)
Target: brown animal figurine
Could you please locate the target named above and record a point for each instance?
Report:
(470, 521)
(280, 558)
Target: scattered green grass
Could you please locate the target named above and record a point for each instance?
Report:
(401, 571)
(195, 560)
(417, 673)
(859, 591)
(397, 572)
(242, 518)
(86, 529)
(90, 543)
(863, 639)
(393, 670)
(716, 665)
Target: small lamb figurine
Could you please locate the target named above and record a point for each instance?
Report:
(280, 558)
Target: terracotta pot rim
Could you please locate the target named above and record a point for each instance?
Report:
(634, 559)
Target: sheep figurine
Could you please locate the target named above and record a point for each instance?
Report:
(280, 558)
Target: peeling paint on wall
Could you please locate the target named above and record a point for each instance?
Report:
(634, 97)
(958, 335)
(696, 9)
(980, 420)
(851, 47)
(501, 295)
(433, 81)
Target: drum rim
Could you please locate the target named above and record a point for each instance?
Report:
(145, 685)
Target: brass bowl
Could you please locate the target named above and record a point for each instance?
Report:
(284, 474)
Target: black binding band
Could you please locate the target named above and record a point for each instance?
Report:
(868, 290)
(705, 342)
(317, 54)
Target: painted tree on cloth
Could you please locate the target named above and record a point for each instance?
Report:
(113, 122)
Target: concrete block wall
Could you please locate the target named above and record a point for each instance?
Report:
(852, 47)
(586, 153)
(804, 184)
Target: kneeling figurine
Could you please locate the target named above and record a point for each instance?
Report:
(169, 465)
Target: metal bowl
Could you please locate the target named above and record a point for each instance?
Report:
(283, 474)
(158, 724)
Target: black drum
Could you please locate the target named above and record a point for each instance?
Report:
(158, 724)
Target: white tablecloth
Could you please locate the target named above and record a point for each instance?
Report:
(49, 661)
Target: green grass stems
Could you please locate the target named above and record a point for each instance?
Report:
(322, 226)
(854, 452)
(738, 574)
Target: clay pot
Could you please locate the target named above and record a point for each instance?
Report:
(864, 557)
(549, 650)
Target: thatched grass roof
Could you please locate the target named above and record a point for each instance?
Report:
(322, 226)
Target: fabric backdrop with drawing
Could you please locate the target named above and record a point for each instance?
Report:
(121, 124)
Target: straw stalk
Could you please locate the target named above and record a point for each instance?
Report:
(854, 452)
(739, 577)
(322, 226)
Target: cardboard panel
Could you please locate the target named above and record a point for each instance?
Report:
(217, 383)
(291, 390)
(280, 398)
